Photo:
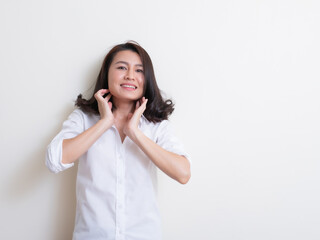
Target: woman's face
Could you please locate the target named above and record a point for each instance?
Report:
(126, 76)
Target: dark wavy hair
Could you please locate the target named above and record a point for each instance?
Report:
(157, 109)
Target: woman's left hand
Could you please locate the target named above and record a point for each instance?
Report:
(131, 127)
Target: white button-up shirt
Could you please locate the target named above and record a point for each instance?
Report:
(116, 181)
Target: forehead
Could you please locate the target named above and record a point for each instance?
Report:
(127, 56)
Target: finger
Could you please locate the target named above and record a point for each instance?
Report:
(110, 105)
(100, 93)
(103, 92)
(142, 108)
(145, 100)
(144, 103)
(137, 105)
(142, 100)
(108, 97)
(97, 96)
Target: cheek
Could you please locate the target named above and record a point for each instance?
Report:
(142, 82)
(111, 87)
(142, 92)
(112, 80)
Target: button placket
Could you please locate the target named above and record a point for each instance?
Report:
(120, 194)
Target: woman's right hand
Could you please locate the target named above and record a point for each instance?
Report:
(73, 148)
(104, 106)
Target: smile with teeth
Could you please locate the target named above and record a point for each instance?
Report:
(128, 86)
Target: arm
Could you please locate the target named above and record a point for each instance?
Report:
(174, 165)
(73, 148)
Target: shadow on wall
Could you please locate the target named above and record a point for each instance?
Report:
(31, 180)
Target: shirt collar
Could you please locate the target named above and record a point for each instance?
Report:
(142, 120)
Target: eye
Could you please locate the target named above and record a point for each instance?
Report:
(121, 67)
(139, 70)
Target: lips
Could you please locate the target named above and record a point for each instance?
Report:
(131, 86)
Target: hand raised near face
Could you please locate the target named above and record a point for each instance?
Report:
(104, 106)
(132, 123)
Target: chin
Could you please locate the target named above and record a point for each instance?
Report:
(127, 98)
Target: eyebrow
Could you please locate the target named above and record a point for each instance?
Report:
(123, 62)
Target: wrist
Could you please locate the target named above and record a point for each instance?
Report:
(105, 124)
(136, 135)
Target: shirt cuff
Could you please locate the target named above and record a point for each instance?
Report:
(54, 157)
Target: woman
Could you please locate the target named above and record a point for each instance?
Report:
(120, 136)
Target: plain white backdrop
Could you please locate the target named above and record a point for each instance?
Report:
(244, 76)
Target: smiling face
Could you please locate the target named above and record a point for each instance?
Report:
(126, 77)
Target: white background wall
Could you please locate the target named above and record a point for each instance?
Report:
(245, 79)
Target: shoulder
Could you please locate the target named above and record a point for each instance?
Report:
(144, 122)
(157, 128)
(78, 115)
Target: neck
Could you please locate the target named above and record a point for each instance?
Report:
(122, 108)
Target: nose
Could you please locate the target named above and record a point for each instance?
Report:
(129, 74)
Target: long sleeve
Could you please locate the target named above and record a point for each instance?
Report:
(72, 127)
